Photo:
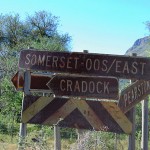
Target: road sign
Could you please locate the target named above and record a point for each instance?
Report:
(129, 67)
(81, 114)
(84, 86)
(133, 94)
(38, 81)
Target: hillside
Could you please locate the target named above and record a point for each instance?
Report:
(141, 47)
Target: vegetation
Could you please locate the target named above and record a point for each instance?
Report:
(40, 31)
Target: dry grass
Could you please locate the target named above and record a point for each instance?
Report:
(49, 145)
(6, 146)
(88, 142)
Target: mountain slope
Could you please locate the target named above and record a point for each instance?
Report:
(141, 47)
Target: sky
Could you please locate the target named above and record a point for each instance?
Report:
(99, 26)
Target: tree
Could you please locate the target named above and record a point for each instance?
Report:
(39, 31)
(11, 29)
(17, 34)
(43, 24)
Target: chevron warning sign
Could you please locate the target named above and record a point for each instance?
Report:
(72, 113)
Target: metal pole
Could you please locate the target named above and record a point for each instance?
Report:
(131, 145)
(81, 132)
(116, 142)
(144, 141)
(27, 82)
(57, 140)
(22, 135)
(132, 135)
(23, 126)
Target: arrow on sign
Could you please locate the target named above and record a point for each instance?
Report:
(18, 80)
(134, 94)
(38, 81)
(84, 86)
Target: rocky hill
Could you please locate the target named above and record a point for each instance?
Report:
(141, 47)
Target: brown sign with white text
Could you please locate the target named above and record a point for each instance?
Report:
(121, 66)
(84, 86)
(134, 94)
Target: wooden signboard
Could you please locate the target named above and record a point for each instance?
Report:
(84, 86)
(81, 114)
(121, 66)
(133, 94)
(70, 85)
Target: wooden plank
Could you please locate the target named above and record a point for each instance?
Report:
(118, 116)
(61, 113)
(90, 115)
(36, 107)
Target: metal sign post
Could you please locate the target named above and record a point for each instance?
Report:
(131, 145)
(22, 135)
(23, 126)
(144, 141)
(57, 138)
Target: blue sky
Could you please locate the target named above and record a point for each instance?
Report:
(100, 26)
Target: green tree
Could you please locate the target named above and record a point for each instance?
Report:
(16, 34)
(39, 31)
